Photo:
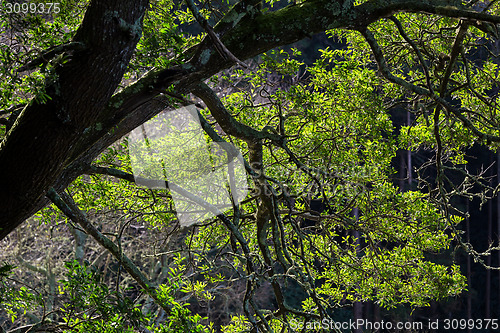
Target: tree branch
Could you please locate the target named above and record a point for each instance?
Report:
(49, 54)
(194, 198)
(226, 120)
(67, 205)
(455, 52)
(415, 49)
(220, 47)
(458, 112)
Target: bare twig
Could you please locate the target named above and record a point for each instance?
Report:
(68, 206)
(457, 112)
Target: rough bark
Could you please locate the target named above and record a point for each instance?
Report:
(36, 150)
(51, 144)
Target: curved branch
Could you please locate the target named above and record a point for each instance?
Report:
(226, 120)
(457, 112)
(67, 205)
(82, 130)
(219, 46)
(194, 198)
(415, 48)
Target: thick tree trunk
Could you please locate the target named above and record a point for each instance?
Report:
(50, 143)
(35, 151)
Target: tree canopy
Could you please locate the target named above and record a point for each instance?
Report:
(320, 207)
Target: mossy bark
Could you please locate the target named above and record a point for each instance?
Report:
(36, 149)
(50, 144)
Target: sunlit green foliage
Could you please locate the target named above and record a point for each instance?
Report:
(372, 240)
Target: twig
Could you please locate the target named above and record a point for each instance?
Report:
(384, 69)
(50, 54)
(219, 46)
(226, 120)
(68, 206)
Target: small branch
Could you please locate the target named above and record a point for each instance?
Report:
(384, 68)
(31, 267)
(442, 8)
(415, 48)
(219, 46)
(229, 148)
(439, 147)
(151, 183)
(226, 120)
(458, 112)
(67, 205)
(50, 54)
(39, 327)
(455, 51)
(12, 109)
(176, 188)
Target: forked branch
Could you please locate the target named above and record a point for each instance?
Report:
(68, 206)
